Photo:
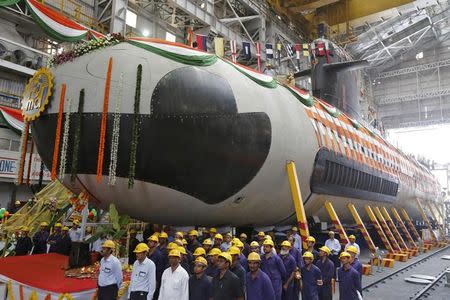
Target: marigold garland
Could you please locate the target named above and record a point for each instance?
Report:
(58, 132)
(135, 129)
(66, 296)
(30, 158)
(101, 146)
(65, 141)
(77, 137)
(23, 151)
(115, 135)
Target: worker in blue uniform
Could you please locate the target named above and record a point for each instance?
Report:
(272, 265)
(348, 278)
(236, 266)
(155, 255)
(53, 239)
(257, 283)
(212, 269)
(200, 288)
(310, 242)
(296, 253)
(311, 278)
(355, 263)
(24, 243)
(327, 270)
(40, 239)
(291, 267)
(65, 243)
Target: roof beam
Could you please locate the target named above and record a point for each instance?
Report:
(308, 5)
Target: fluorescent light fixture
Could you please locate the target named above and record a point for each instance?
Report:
(170, 37)
(419, 55)
(202, 6)
(145, 32)
(131, 19)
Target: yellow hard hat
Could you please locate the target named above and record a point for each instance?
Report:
(25, 228)
(207, 242)
(344, 254)
(226, 255)
(109, 244)
(153, 238)
(331, 232)
(141, 247)
(199, 251)
(58, 225)
(310, 239)
(182, 250)
(308, 254)
(17, 202)
(172, 246)
(214, 251)
(234, 250)
(326, 250)
(184, 242)
(286, 244)
(239, 244)
(44, 224)
(235, 240)
(65, 228)
(228, 234)
(178, 242)
(253, 256)
(268, 237)
(76, 222)
(261, 234)
(193, 232)
(213, 230)
(201, 260)
(243, 235)
(163, 235)
(268, 242)
(180, 234)
(352, 249)
(351, 237)
(218, 237)
(175, 253)
(294, 228)
(254, 244)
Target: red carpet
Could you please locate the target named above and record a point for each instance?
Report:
(43, 271)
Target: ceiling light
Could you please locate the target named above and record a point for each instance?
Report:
(145, 32)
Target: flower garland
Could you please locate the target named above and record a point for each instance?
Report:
(84, 48)
(135, 129)
(65, 141)
(76, 143)
(23, 151)
(30, 158)
(58, 132)
(66, 296)
(78, 203)
(101, 146)
(115, 135)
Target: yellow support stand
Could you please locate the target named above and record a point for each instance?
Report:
(410, 224)
(403, 227)
(441, 230)
(394, 230)
(336, 222)
(386, 229)
(425, 219)
(362, 227)
(298, 202)
(436, 206)
(378, 228)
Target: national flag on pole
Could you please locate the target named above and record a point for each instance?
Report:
(269, 51)
(289, 50)
(218, 46)
(190, 36)
(201, 42)
(305, 49)
(233, 50)
(246, 48)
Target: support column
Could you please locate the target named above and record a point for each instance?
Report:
(441, 230)
(425, 219)
(410, 224)
(403, 227)
(336, 222)
(436, 206)
(298, 202)
(362, 228)
(378, 228)
(393, 228)
(386, 229)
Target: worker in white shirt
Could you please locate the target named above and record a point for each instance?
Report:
(75, 231)
(352, 242)
(297, 239)
(175, 279)
(143, 278)
(110, 276)
(335, 247)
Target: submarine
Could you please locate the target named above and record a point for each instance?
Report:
(214, 140)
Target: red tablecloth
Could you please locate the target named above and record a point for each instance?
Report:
(43, 271)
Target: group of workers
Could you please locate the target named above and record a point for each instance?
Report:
(221, 267)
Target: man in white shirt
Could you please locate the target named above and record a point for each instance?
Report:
(175, 280)
(75, 231)
(143, 278)
(351, 242)
(297, 239)
(334, 246)
(110, 276)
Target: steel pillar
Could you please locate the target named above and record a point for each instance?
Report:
(379, 230)
(362, 227)
(403, 227)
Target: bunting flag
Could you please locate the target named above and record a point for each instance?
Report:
(57, 25)
(13, 118)
(218, 46)
(246, 48)
(258, 55)
(201, 42)
(233, 50)
(289, 50)
(305, 49)
(269, 51)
